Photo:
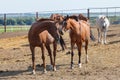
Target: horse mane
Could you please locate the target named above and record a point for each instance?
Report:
(74, 17)
(82, 17)
(71, 17)
(44, 19)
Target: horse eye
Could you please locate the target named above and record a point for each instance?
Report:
(64, 23)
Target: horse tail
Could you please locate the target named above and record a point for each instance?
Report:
(92, 36)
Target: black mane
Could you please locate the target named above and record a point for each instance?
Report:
(44, 19)
(71, 17)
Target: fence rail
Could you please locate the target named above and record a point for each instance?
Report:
(14, 28)
(113, 13)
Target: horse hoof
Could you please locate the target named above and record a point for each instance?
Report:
(44, 71)
(54, 69)
(79, 65)
(51, 67)
(72, 67)
(33, 72)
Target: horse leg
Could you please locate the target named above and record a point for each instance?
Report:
(43, 58)
(99, 35)
(50, 54)
(105, 34)
(72, 54)
(102, 37)
(62, 43)
(33, 58)
(86, 48)
(79, 45)
(54, 54)
(91, 35)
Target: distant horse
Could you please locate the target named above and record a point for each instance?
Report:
(57, 17)
(102, 24)
(42, 34)
(79, 33)
(59, 20)
(82, 17)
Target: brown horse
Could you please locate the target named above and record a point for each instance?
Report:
(57, 17)
(79, 33)
(82, 17)
(59, 21)
(41, 34)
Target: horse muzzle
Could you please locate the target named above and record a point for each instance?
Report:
(65, 29)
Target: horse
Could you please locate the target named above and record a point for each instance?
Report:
(57, 17)
(102, 24)
(79, 33)
(82, 17)
(59, 20)
(41, 34)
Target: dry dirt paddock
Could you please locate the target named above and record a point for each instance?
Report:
(104, 60)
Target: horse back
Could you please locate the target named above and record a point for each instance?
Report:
(85, 30)
(37, 28)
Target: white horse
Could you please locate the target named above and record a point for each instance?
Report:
(102, 24)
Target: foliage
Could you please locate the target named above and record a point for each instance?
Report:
(18, 21)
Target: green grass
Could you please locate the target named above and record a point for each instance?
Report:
(14, 28)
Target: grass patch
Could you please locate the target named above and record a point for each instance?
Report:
(14, 28)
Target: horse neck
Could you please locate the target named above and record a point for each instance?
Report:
(51, 30)
(75, 26)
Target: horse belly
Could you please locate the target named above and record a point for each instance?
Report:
(50, 39)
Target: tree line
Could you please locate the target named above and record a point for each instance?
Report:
(18, 21)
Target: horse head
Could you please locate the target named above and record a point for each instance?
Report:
(57, 17)
(67, 22)
(104, 21)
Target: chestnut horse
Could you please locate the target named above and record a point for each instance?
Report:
(41, 34)
(79, 33)
(59, 21)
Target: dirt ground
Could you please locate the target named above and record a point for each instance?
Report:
(104, 60)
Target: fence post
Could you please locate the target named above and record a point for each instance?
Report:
(4, 22)
(36, 16)
(88, 13)
(107, 12)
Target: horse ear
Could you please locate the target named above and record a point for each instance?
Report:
(104, 17)
(77, 19)
(67, 16)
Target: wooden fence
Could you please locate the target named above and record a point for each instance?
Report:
(91, 13)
